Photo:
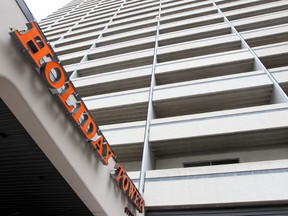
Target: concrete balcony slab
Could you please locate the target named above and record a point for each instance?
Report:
(204, 66)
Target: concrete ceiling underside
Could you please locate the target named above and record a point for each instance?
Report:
(29, 183)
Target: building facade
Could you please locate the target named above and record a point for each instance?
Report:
(191, 94)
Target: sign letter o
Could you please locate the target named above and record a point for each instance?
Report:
(54, 74)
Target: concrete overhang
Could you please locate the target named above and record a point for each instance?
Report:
(31, 102)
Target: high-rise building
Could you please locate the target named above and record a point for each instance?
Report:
(191, 94)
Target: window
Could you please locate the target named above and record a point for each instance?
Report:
(211, 162)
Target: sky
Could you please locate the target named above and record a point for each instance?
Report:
(42, 8)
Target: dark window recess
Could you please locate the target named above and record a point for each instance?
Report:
(210, 163)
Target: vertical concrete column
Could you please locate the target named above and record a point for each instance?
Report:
(148, 161)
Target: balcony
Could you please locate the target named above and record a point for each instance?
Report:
(216, 186)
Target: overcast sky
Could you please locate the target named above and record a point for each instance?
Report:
(42, 8)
